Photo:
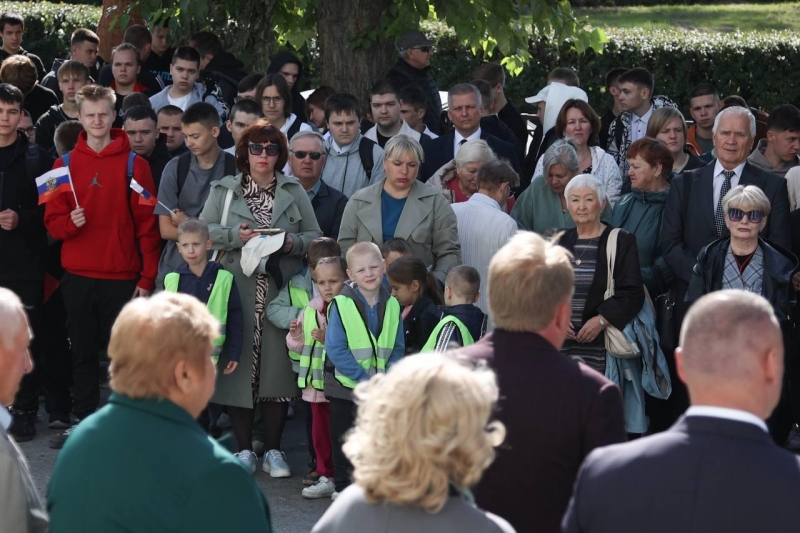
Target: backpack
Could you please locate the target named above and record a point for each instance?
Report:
(365, 153)
(186, 158)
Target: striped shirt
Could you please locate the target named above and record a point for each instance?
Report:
(483, 229)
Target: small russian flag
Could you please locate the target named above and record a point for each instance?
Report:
(53, 183)
(145, 198)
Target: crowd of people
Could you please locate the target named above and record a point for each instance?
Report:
(569, 281)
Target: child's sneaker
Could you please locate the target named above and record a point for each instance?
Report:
(312, 478)
(323, 489)
(275, 464)
(248, 459)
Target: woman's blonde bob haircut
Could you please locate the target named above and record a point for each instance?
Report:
(746, 198)
(151, 335)
(421, 427)
(401, 145)
(529, 278)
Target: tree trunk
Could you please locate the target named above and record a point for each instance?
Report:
(110, 38)
(345, 69)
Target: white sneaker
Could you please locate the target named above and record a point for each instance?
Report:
(248, 459)
(324, 488)
(334, 495)
(275, 464)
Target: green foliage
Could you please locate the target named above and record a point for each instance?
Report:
(621, 3)
(48, 26)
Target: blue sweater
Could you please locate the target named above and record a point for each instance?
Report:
(200, 288)
(336, 346)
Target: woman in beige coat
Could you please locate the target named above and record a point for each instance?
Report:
(401, 206)
(260, 198)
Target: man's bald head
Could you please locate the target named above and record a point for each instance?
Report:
(731, 349)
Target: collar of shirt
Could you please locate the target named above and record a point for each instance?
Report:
(339, 149)
(458, 138)
(482, 199)
(727, 414)
(5, 417)
(718, 168)
(644, 118)
(314, 190)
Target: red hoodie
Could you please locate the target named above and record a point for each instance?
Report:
(120, 239)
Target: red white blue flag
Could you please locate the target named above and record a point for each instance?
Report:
(53, 183)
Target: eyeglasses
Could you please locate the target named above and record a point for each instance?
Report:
(510, 190)
(272, 100)
(755, 216)
(28, 131)
(301, 154)
(258, 149)
(424, 49)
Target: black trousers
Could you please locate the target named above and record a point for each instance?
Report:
(342, 418)
(31, 293)
(57, 357)
(92, 307)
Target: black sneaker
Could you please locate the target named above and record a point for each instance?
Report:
(60, 439)
(23, 428)
(59, 421)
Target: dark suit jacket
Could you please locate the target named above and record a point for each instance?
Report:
(703, 474)
(689, 216)
(440, 151)
(328, 206)
(556, 411)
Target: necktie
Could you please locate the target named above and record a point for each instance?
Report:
(719, 216)
(462, 142)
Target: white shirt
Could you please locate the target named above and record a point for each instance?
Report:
(727, 414)
(5, 417)
(231, 150)
(639, 124)
(719, 179)
(180, 102)
(458, 138)
(430, 134)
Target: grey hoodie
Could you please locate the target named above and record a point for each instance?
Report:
(758, 159)
(344, 172)
(162, 100)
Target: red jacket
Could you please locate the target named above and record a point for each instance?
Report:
(120, 239)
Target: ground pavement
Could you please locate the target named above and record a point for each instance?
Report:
(291, 513)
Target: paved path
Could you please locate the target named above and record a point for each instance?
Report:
(291, 513)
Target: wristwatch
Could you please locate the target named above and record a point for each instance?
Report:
(602, 321)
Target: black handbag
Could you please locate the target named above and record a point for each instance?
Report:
(666, 321)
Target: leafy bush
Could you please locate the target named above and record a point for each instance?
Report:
(620, 3)
(48, 26)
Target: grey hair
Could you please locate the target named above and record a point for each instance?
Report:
(12, 316)
(746, 198)
(304, 134)
(474, 151)
(586, 181)
(736, 111)
(404, 54)
(401, 144)
(561, 153)
(464, 88)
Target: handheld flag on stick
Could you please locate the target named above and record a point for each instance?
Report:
(145, 198)
(53, 183)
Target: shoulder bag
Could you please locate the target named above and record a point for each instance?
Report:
(617, 344)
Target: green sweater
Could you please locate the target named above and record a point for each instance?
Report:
(141, 466)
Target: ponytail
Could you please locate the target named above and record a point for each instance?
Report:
(432, 290)
(408, 269)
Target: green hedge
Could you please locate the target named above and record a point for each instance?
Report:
(621, 3)
(49, 26)
(764, 68)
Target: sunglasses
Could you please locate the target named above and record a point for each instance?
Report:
(755, 216)
(258, 149)
(301, 154)
(424, 49)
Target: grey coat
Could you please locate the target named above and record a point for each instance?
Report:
(292, 212)
(428, 223)
(21, 508)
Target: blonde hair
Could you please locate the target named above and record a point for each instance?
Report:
(95, 93)
(746, 198)
(528, 278)
(361, 249)
(151, 335)
(422, 426)
(400, 145)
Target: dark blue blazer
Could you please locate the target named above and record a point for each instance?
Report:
(328, 206)
(703, 474)
(440, 151)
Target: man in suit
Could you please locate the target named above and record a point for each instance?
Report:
(308, 156)
(21, 508)
(555, 409)
(717, 469)
(693, 215)
(464, 109)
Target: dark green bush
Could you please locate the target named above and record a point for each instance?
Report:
(621, 3)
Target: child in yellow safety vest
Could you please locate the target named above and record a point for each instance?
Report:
(307, 337)
(462, 323)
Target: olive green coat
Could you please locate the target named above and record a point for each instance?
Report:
(293, 213)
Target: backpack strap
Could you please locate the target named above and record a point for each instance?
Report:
(365, 153)
(129, 175)
(65, 159)
(230, 164)
(183, 169)
(32, 160)
(293, 129)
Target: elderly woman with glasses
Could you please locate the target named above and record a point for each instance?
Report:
(542, 208)
(744, 261)
(239, 209)
(402, 206)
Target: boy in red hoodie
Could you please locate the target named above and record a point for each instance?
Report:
(111, 242)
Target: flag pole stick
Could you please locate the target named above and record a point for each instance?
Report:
(72, 186)
(162, 205)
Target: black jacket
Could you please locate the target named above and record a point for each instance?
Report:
(419, 324)
(159, 159)
(776, 287)
(40, 71)
(628, 286)
(298, 102)
(440, 151)
(514, 120)
(226, 71)
(495, 126)
(403, 74)
(470, 315)
(51, 78)
(158, 65)
(328, 206)
(46, 128)
(39, 101)
(25, 247)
